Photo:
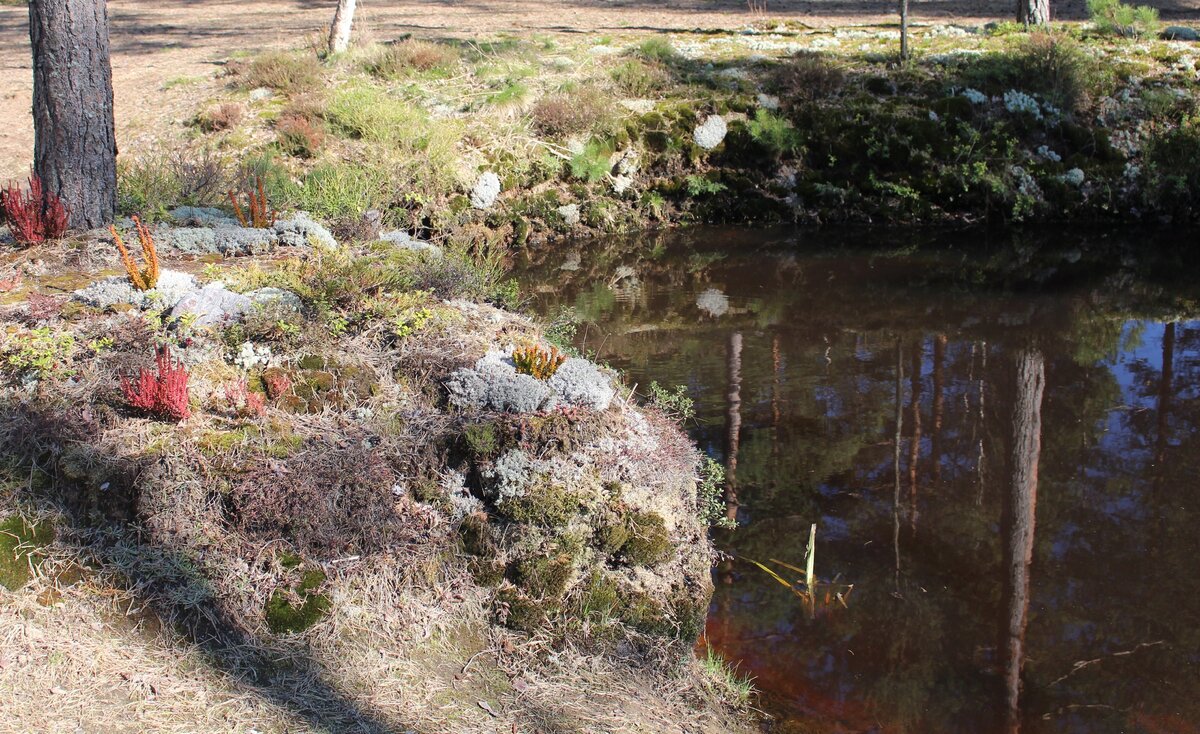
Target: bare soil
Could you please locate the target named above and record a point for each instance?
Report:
(161, 45)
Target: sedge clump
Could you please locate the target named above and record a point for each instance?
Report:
(537, 362)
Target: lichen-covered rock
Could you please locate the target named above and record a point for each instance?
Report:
(569, 214)
(301, 231)
(277, 296)
(711, 132)
(171, 288)
(212, 305)
(232, 241)
(485, 190)
(579, 382)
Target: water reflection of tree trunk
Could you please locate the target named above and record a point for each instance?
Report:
(1166, 377)
(896, 457)
(733, 422)
(776, 364)
(980, 466)
(914, 446)
(1018, 520)
(939, 387)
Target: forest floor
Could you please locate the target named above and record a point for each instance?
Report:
(158, 44)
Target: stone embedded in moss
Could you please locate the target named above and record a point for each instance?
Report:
(477, 536)
(648, 543)
(284, 616)
(543, 577)
(18, 540)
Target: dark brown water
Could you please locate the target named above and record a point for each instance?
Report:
(996, 438)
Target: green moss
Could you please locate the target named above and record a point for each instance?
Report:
(543, 577)
(648, 542)
(483, 440)
(600, 596)
(18, 541)
(477, 536)
(612, 535)
(520, 612)
(283, 616)
(288, 559)
(486, 571)
(543, 503)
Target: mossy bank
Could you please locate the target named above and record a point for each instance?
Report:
(356, 526)
(505, 141)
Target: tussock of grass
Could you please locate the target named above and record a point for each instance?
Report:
(283, 71)
(403, 58)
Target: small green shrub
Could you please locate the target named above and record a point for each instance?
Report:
(43, 352)
(592, 163)
(710, 503)
(1116, 18)
(774, 133)
(657, 49)
(280, 70)
(483, 440)
(676, 404)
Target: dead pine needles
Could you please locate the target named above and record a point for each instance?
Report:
(144, 278)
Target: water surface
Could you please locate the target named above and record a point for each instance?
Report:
(1009, 556)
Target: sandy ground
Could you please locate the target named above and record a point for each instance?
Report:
(156, 42)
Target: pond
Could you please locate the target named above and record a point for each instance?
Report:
(995, 436)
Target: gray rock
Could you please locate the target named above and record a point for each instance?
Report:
(301, 231)
(710, 133)
(260, 94)
(284, 298)
(213, 305)
(485, 191)
(1180, 33)
(713, 302)
(200, 216)
(400, 238)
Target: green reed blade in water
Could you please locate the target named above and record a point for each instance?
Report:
(810, 557)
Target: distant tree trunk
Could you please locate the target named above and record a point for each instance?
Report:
(1033, 12)
(1019, 520)
(904, 30)
(75, 148)
(339, 32)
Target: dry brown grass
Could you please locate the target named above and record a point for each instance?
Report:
(225, 116)
(395, 60)
(570, 113)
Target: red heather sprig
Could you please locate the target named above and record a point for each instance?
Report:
(163, 393)
(35, 216)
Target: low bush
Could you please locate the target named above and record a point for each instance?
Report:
(774, 133)
(224, 116)
(565, 114)
(403, 57)
(285, 72)
(806, 77)
(1116, 18)
(640, 78)
(33, 216)
(152, 184)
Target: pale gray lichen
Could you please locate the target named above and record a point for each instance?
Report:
(301, 231)
(462, 502)
(579, 382)
(200, 216)
(570, 214)
(212, 305)
(402, 239)
(485, 191)
(494, 384)
(171, 288)
(710, 133)
(278, 296)
(713, 302)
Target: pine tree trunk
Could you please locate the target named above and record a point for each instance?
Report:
(75, 148)
(339, 32)
(1033, 12)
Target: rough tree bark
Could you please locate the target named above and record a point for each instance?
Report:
(339, 32)
(1033, 12)
(75, 148)
(1019, 520)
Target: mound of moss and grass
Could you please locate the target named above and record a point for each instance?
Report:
(319, 528)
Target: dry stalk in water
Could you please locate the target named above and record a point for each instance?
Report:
(146, 278)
